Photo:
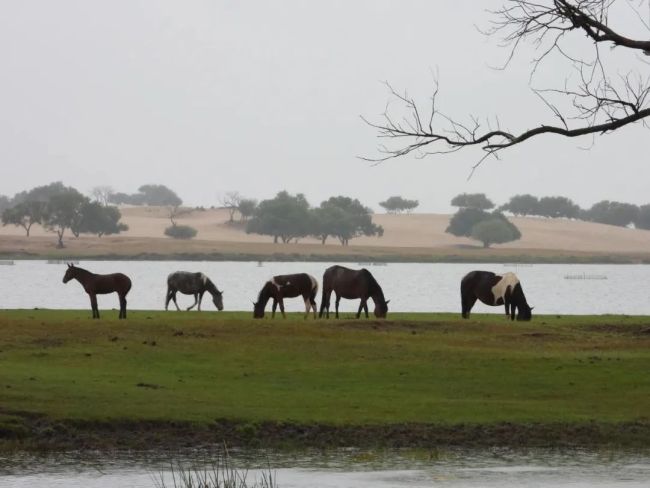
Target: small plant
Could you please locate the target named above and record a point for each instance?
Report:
(219, 474)
(181, 232)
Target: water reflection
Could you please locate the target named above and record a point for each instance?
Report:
(346, 468)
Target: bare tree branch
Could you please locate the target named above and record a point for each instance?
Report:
(593, 102)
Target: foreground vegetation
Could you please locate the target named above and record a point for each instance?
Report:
(414, 379)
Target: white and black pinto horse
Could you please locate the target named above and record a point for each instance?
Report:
(287, 286)
(192, 284)
(493, 289)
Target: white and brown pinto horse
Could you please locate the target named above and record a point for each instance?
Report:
(493, 289)
(287, 286)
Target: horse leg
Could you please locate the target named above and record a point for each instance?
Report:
(324, 303)
(361, 304)
(274, 308)
(200, 298)
(196, 300)
(312, 302)
(284, 315)
(122, 306)
(307, 305)
(175, 302)
(338, 300)
(168, 297)
(93, 305)
(365, 307)
(467, 304)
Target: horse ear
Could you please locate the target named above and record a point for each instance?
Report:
(69, 265)
(387, 302)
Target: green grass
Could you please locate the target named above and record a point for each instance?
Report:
(421, 368)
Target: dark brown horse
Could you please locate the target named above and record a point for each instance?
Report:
(96, 284)
(352, 284)
(287, 286)
(493, 289)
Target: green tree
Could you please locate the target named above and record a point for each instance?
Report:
(464, 220)
(24, 214)
(558, 207)
(284, 217)
(246, 208)
(613, 213)
(495, 231)
(343, 218)
(64, 211)
(5, 203)
(472, 200)
(397, 204)
(154, 195)
(522, 205)
(40, 193)
(100, 220)
(643, 218)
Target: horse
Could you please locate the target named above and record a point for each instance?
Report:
(97, 284)
(287, 286)
(192, 284)
(493, 289)
(351, 284)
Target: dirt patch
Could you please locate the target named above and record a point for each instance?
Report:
(620, 329)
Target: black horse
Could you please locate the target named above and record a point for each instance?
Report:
(287, 286)
(192, 284)
(493, 289)
(352, 284)
(97, 284)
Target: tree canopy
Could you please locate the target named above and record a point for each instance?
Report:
(154, 195)
(397, 204)
(472, 200)
(284, 217)
(344, 218)
(613, 213)
(487, 227)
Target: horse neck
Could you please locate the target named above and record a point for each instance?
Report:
(82, 275)
(211, 288)
(376, 293)
(518, 295)
(265, 294)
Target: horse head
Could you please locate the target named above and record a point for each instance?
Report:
(258, 310)
(69, 273)
(524, 313)
(217, 299)
(381, 309)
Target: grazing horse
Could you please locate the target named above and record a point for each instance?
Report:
(493, 289)
(97, 284)
(287, 286)
(192, 284)
(351, 284)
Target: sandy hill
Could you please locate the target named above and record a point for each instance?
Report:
(408, 231)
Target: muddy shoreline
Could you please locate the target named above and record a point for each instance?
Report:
(35, 433)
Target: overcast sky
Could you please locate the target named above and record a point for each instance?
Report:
(257, 96)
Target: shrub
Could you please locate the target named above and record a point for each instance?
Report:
(181, 232)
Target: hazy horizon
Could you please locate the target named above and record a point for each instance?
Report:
(209, 97)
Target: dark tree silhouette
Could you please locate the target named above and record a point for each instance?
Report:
(595, 99)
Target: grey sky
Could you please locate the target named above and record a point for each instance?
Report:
(256, 96)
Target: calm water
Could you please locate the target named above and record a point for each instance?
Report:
(554, 289)
(353, 469)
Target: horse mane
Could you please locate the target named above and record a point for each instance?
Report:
(373, 286)
(264, 294)
(211, 287)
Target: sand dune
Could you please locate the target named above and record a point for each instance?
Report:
(407, 231)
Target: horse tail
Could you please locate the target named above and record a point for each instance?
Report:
(314, 289)
(327, 291)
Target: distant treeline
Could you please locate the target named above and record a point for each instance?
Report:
(604, 212)
(58, 208)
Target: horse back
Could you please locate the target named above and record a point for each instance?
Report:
(348, 283)
(115, 282)
(294, 285)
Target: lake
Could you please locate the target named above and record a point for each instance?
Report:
(350, 469)
(411, 287)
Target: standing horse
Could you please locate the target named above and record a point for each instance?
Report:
(493, 289)
(351, 284)
(287, 286)
(192, 284)
(97, 284)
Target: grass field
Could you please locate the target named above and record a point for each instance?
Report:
(425, 369)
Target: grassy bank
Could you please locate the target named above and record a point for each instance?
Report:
(417, 379)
